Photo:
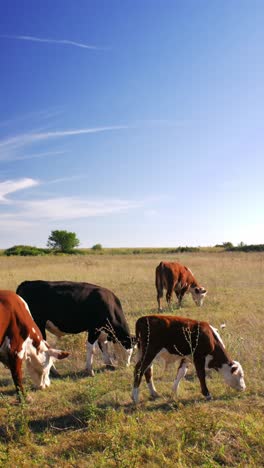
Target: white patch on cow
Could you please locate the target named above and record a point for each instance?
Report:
(189, 270)
(167, 357)
(39, 361)
(54, 329)
(216, 333)
(25, 304)
(170, 358)
(122, 354)
(89, 358)
(104, 348)
(26, 348)
(180, 375)
(199, 296)
(233, 375)
(135, 394)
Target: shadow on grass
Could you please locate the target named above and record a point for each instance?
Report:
(75, 375)
(69, 422)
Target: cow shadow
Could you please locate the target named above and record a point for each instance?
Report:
(80, 374)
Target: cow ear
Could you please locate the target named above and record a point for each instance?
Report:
(57, 354)
(234, 369)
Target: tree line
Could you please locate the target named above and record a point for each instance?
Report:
(66, 242)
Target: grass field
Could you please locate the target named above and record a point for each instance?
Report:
(91, 422)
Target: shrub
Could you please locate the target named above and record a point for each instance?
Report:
(248, 248)
(97, 247)
(25, 250)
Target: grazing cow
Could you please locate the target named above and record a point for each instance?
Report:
(186, 339)
(176, 277)
(70, 307)
(21, 339)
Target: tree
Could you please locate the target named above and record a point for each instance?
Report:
(97, 247)
(227, 245)
(63, 241)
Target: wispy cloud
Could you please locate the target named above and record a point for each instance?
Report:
(73, 208)
(57, 207)
(52, 41)
(10, 186)
(31, 116)
(10, 146)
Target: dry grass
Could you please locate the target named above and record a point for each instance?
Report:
(87, 422)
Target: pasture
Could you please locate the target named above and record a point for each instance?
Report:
(91, 422)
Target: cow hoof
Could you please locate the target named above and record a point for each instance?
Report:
(24, 399)
(89, 373)
(208, 397)
(154, 395)
(54, 372)
(110, 367)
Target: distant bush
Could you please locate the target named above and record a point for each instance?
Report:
(226, 245)
(247, 248)
(25, 250)
(97, 247)
(184, 249)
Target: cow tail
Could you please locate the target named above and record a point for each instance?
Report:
(138, 334)
(159, 274)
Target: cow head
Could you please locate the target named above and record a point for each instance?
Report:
(233, 375)
(198, 295)
(39, 361)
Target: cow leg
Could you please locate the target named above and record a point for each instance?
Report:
(159, 296)
(182, 369)
(150, 383)
(103, 345)
(199, 363)
(169, 296)
(180, 295)
(15, 365)
(140, 369)
(89, 359)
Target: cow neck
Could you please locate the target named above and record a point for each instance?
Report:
(220, 357)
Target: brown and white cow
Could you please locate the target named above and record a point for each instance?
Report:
(187, 339)
(173, 276)
(21, 339)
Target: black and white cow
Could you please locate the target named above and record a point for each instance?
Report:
(71, 307)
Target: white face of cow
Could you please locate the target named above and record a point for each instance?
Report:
(198, 295)
(40, 361)
(233, 375)
(122, 354)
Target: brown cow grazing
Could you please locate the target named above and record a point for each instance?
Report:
(21, 339)
(187, 339)
(173, 276)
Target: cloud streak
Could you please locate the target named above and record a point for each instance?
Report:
(9, 146)
(64, 42)
(11, 186)
(73, 208)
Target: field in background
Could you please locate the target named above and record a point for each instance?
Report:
(87, 422)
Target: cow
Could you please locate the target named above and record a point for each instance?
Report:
(21, 339)
(73, 307)
(187, 340)
(173, 276)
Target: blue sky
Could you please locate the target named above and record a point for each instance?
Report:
(132, 122)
